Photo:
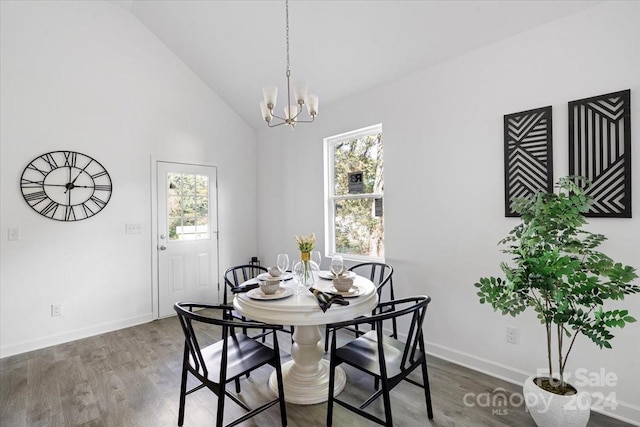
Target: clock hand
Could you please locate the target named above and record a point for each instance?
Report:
(65, 185)
(70, 186)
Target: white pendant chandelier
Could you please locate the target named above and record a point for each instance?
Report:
(292, 111)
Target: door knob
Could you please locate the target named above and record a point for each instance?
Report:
(163, 247)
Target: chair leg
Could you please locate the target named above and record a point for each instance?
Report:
(220, 412)
(394, 328)
(326, 339)
(427, 389)
(283, 406)
(332, 379)
(183, 395)
(387, 403)
(237, 382)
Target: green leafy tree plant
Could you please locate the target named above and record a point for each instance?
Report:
(557, 271)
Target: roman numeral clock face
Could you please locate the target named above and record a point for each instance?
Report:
(66, 186)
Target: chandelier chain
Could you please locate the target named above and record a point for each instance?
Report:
(287, 19)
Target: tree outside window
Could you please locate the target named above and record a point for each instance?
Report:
(355, 194)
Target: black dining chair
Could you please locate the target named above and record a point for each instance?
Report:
(217, 364)
(387, 359)
(233, 278)
(381, 275)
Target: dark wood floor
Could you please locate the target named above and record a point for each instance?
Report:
(131, 377)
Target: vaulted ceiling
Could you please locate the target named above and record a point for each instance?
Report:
(338, 47)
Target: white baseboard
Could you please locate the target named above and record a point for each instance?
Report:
(48, 341)
(624, 411)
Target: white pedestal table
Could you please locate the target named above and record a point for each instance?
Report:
(306, 377)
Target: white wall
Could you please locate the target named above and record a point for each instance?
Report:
(444, 192)
(87, 76)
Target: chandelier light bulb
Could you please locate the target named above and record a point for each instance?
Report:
(300, 92)
(266, 113)
(312, 104)
(270, 94)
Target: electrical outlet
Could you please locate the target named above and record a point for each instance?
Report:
(513, 335)
(133, 229)
(56, 310)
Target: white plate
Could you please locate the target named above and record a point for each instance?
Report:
(264, 276)
(282, 292)
(324, 274)
(351, 293)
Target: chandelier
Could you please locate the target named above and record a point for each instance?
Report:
(291, 110)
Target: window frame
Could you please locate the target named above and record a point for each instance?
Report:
(330, 198)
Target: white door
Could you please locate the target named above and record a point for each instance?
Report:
(187, 235)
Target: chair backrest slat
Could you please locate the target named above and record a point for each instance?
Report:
(234, 276)
(380, 274)
(191, 343)
(414, 336)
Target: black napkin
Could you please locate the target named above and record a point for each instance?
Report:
(244, 288)
(325, 300)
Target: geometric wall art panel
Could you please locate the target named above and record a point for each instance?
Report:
(528, 157)
(600, 150)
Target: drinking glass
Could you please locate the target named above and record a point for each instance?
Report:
(298, 275)
(337, 265)
(316, 257)
(283, 262)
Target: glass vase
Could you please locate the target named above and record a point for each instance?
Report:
(306, 278)
(305, 271)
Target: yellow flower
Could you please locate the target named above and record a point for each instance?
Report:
(306, 243)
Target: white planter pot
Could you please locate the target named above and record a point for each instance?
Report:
(552, 410)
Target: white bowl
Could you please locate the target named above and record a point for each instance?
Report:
(274, 272)
(342, 284)
(269, 286)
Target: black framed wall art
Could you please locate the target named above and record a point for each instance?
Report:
(600, 150)
(528, 157)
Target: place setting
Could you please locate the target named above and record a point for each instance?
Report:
(269, 290)
(344, 287)
(337, 269)
(341, 279)
(269, 283)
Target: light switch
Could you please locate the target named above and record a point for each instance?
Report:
(133, 229)
(13, 234)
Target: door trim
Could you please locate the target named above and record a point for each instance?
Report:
(154, 229)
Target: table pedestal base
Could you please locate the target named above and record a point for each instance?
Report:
(306, 377)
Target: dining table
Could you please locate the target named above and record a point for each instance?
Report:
(306, 376)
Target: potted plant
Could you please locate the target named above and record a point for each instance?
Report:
(557, 271)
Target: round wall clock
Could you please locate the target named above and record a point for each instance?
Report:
(66, 186)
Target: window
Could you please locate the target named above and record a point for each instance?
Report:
(354, 193)
(188, 206)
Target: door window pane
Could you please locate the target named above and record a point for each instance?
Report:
(188, 206)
